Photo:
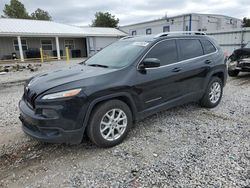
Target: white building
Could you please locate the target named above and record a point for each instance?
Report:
(24, 38)
(185, 22)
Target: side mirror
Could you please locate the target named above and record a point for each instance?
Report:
(150, 63)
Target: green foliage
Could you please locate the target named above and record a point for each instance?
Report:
(40, 14)
(105, 19)
(246, 22)
(17, 10)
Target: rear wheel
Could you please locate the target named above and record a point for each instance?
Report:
(109, 123)
(213, 94)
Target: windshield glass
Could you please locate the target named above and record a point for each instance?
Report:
(247, 45)
(118, 54)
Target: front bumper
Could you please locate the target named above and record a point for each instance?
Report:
(243, 66)
(47, 129)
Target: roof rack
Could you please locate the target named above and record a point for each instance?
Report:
(127, 37)
(179, 33)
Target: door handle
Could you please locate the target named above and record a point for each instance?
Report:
(176, 69)
(208, 61)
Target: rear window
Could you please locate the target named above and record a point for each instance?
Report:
(190, 48)
(208, 46)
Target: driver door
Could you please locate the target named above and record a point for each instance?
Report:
(160, 84)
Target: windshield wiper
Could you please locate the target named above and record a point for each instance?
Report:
(98, 65)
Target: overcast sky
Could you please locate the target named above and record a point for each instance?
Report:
(81, 12)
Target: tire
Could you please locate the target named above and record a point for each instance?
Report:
(102, 119)
(233, 73)
(207, 100)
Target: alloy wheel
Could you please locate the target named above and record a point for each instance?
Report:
(113, 124)
(215, 92)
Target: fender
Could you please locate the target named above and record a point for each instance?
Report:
(218, 70)
(107, 97)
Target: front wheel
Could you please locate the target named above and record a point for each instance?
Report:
(109, 123)
(213, 94)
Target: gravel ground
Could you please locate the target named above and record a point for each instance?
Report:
(187, 146)
(16, 77)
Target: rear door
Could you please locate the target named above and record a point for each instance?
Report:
(194, 65)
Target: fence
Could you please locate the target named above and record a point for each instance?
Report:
(233, 39)
(43, 58)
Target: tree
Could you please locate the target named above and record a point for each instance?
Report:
(104, 19)
(246, 22)
(15, 10)
(40, 14)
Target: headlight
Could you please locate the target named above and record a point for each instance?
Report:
(63, 94)
(232, 64)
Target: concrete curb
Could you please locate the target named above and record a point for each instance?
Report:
(12, 83)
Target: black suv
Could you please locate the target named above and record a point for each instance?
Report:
(125, 82)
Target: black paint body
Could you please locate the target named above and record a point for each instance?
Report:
(145, 91)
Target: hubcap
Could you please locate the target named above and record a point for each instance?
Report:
(113, 124)
(215, 92)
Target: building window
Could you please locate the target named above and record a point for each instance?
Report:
(148, 31)
(133, 33)
(70, 44)
(46, 44)
(24, 44)
(166, 29)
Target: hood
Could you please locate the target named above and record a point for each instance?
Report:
(49, 80)
(242, 52)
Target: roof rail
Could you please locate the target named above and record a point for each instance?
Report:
(179, 33)
(127, 37)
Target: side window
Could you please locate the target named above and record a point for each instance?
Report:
(190, 48)
(208, 46)
(165, 51)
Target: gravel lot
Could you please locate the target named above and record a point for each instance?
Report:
(16, 77)
(187, 146)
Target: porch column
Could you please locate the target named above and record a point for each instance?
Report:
(58, 48)
(88, 46)
(94, 43)
(20, 47)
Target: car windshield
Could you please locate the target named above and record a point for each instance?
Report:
(247, 45)
(118, 54)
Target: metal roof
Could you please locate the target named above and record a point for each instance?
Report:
(102, 31)
(181, 15)
(25, 27)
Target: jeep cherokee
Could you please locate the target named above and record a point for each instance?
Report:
(126, 81)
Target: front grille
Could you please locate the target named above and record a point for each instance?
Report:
(244, 64)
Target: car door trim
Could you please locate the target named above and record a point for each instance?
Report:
(178, 62)
(153, 100)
